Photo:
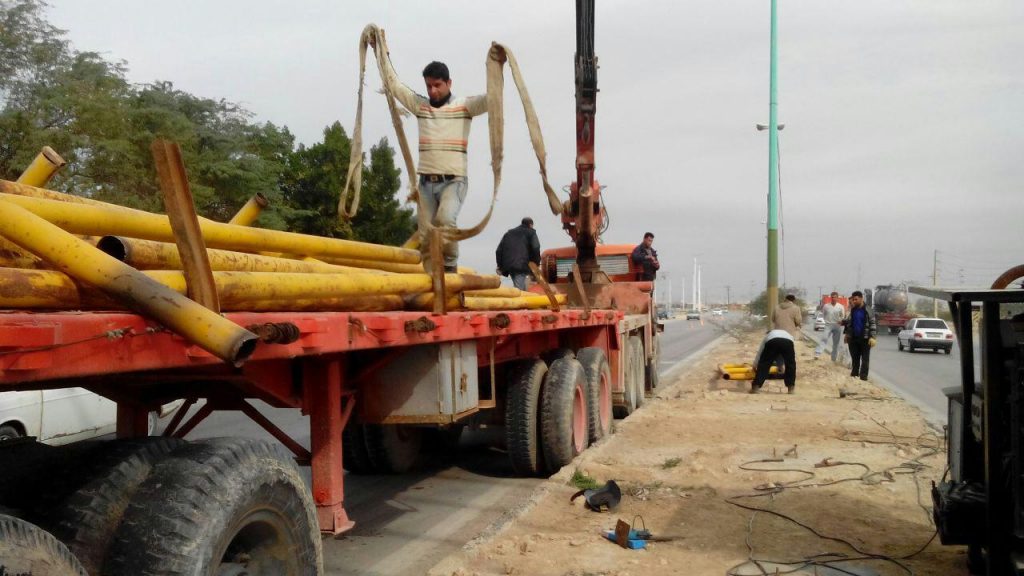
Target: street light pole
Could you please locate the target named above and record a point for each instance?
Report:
(773, 170)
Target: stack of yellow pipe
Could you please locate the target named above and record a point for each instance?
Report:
(253, 268)
(740, 371)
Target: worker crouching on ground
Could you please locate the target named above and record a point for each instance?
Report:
(776, 344)
(444, 121)
(518, 247)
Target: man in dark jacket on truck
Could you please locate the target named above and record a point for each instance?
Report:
(860, 335)
(646, 256)
(518, 247)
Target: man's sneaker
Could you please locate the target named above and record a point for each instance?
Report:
(864, 378)
(755, 389)
(854, 374)
(790, 389)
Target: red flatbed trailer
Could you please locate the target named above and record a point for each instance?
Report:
(332, 361)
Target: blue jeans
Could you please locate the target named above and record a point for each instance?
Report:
(835, 332)
(442, 202)
(519, 280)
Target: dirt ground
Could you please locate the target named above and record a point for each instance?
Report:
(689, 456)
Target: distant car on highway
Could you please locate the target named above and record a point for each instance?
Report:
(819, 322)
(718, 312)
(693, 315)
(928, 333)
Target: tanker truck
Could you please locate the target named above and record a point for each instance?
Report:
(889, 303)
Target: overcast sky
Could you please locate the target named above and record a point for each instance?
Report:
(904, 119)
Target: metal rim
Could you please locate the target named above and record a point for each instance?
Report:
(261, 544)
(605, 402)
(579, 419)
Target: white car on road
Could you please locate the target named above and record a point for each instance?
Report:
(930, 333)
(62, 416)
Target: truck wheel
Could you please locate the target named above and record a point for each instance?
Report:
(599, 392)
(87, 519)
(636, 345)
(354, 456)
(552, 355)
(563, 413)
(522, 411)
(393, 449)
(28, 549)
(9, 432)
(220, 506)
(651, 379)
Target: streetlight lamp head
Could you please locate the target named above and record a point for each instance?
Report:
(763, 127)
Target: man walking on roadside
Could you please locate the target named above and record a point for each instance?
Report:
(444, 121)
(860, 335)
(788, 316)
(832, 313)
(518, 247)
(645, 256)
(776, 344)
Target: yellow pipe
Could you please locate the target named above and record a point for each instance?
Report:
(250, 212)
(101, 220)
(150, 255)
(520, 303)
(42, 168)
(13, 256)
(238, 287)
(78, 259)
(52, 290)
(502, 292)
(373, 265)
(425, 302)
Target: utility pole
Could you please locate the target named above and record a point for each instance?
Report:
(694, 291)
(682, 297)
(935, 282)
(773, 170)
(728, 296)
(700, 289)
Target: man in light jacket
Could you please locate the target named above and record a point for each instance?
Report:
(832, 313)
(788, 316)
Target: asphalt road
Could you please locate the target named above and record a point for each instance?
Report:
(406, 524)
(919, 377)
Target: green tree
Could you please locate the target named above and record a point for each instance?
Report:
(312, 184)
(381, 218)
(759, 305)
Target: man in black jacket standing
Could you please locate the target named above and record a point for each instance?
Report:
(861, 329)
(518, 247)
(646, 256)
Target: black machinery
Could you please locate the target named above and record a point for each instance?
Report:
(980, 502)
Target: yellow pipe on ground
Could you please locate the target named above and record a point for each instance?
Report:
(248, 214)
(150, 255)
(239, 287)
(520, 303)
(104, 221)
(42, 168)
(86, 263)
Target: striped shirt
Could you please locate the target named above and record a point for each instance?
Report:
(444, 131)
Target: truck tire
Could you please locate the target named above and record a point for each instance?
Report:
(651, 378)
(9, 432)
(220, 506)
(552, 355)
(393, 449)
(87, 519)
(522, 412)
(563, 413)
(636, 345)
(599, 392)
(28, 549)
(354, 456)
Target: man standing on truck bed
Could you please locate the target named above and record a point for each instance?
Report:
(444, 121)
(646, 256)
(518, 247)
(860, 335)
